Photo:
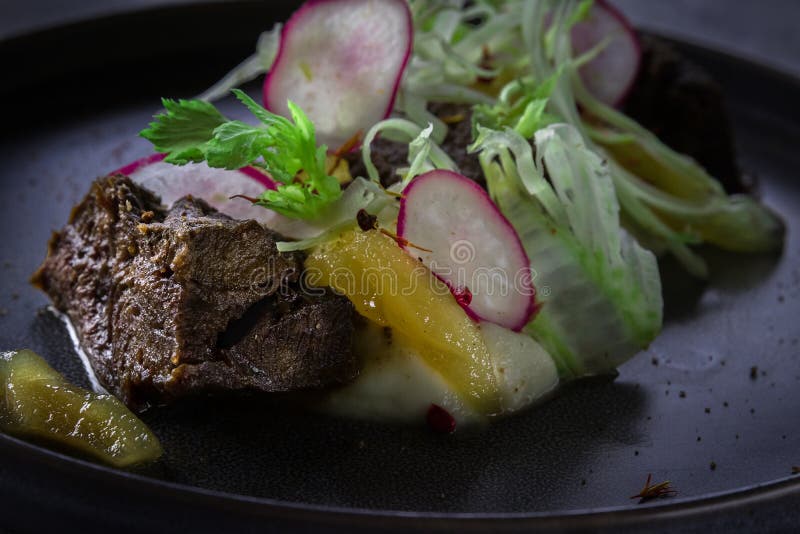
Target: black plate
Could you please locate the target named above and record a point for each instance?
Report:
(74, 99)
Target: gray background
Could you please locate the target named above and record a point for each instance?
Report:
(765, 30)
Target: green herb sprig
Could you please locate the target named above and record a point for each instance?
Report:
(195, 131)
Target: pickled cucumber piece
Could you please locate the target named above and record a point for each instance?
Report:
(37, 402)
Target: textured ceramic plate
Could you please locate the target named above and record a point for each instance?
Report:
(574, 462)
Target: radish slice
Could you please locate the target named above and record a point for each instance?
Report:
(215, 186)
(474, 249)
(341, 61)
(611, 74)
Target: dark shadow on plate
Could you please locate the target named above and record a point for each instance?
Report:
(739, 272)
(731, 272)
(681, 290)
(267, 447)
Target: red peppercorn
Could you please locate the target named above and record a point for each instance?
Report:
(463, 295)
(440, 420)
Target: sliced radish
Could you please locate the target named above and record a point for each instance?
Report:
(215, 186)
(611, 74)
(473, 247)
(341, 61)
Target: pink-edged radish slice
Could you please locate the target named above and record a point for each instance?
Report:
(215, 186)
(473, 247)
(341, 61)
(611, 74)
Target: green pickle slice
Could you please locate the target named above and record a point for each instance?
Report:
(37, 402)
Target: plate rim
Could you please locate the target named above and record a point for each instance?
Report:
(624, 515)
(618, 516)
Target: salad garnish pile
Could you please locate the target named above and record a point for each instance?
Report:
(579, 202)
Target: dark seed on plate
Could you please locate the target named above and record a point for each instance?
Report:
(712, 465)
(754, 372)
